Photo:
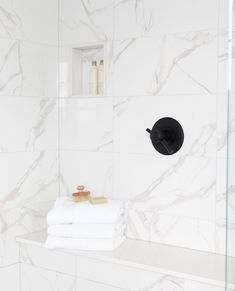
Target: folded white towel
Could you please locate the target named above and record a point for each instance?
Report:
(67, 211)
(85, 230)
(54, 242)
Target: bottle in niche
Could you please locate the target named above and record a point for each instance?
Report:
(93, 81)
(101, 78)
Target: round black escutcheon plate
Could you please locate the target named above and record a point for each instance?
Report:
(167, 136)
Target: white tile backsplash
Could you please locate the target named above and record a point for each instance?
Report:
(86, 124)
(86, 21)
(30, 184)
(152, 17)
(168, 64)
(27, 69)
(23, 20)
(28, 130)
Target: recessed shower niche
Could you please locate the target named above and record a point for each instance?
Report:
(88, 70)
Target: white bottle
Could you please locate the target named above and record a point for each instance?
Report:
(101, 78)
(93, 81)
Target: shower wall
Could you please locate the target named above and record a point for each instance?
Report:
(163, 58)
(28, 123)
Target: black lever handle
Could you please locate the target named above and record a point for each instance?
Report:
(163, 141)
(167, 146)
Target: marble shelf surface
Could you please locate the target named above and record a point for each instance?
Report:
(190, 264)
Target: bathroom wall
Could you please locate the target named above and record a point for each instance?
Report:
(163, 58)
(28, 123)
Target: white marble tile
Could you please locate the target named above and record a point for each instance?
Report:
(173, 230)
(224, 14)
(114, 274)
(151, 17)
(197, 286)
(133, 115)
(23, 20)
(231, 126)
(86, 124)
(27, 69)
(221, 195)
(37, 279)
(30, 183)
(83, 21)
(223, 60)
(28, 124)
(175, 186)
(58, 261)
(222, 126)
(9, 278)
(88, 285)
(92, 169)
(175, 64)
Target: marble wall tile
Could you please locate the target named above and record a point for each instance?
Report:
(86, 124)
(87, 285)
(27, 69)
(151, 17)
(23, 20)
(37, 279)
(175, 64)
(195, 286)
(30, 183)
(93, 169)
(9, 277)
(173, 230)
(86, 21)
(223, 69)
(224, 14)
(184, 186)
(133, 115)
(23, 130)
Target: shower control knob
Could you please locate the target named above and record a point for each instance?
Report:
(167, 136)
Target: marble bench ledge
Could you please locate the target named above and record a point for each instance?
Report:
(208, 268)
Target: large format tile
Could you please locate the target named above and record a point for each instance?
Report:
(9, 277)
(27, 69)
(173, 230)
(133, 115)
(23, 20)
(176, 186)
(83, 21)
(151, 17)
(30, 183)
(92, 169)
(28, 124)
(86, 124)
(183, 63)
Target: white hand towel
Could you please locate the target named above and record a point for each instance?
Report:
(84, 230)
(54, 242)
(67, 211)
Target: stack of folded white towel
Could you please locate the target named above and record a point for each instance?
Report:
(85, 226)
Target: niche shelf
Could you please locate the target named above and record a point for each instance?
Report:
(82, 58)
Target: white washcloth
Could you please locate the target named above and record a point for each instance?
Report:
(67, 211)
(84, 230)
(54, 242)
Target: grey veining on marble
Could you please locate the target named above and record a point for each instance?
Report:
(11, 71)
